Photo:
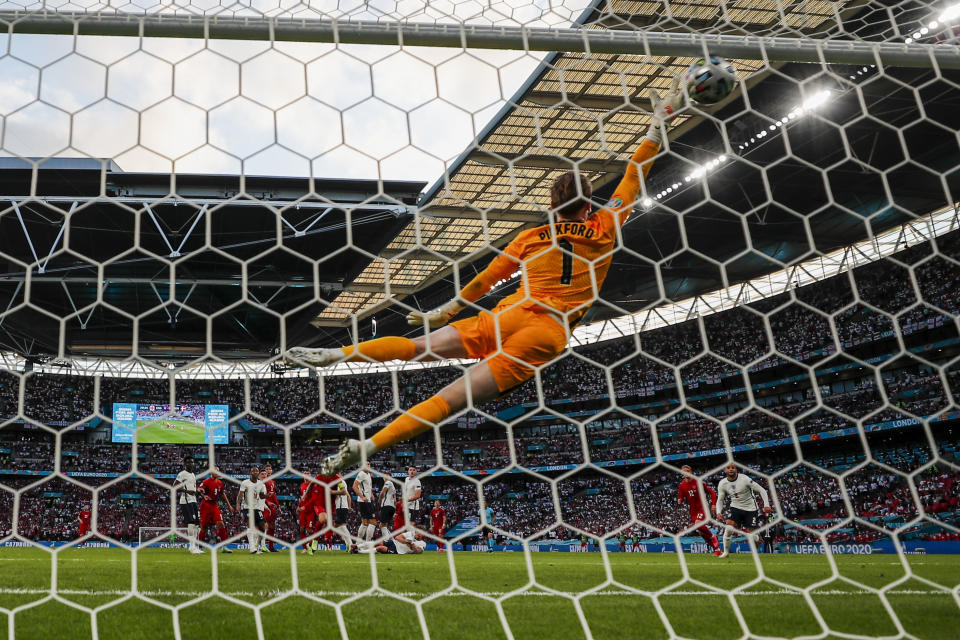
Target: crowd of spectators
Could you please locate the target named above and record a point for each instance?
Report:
(558, 441)
(827, 492)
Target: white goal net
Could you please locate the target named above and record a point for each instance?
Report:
(189, 190)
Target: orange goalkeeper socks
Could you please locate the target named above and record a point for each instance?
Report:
(381, 350)
(412, 423)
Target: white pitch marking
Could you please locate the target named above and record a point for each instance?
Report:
(415, 594)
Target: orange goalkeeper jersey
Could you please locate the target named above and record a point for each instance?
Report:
(565, 263)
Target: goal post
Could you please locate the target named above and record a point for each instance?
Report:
(189, 192)
(626, 42)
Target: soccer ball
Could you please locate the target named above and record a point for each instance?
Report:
(708, 81)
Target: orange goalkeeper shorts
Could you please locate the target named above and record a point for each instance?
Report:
(528, 338)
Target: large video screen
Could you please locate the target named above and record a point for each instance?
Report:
(160, 423)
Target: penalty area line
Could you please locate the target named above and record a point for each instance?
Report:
(160, 593)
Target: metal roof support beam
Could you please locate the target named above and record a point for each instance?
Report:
(83, 323)
(163, 235)
(180, 199)
(193, 287)
(43, 267)
(163, 303)
(547, 162)
(186, 236)
(299, 233)
(655, 43)
(26, 232)
(213, 282)
(590, 102)
(469, 213)
(422, 254)
(16, 292)
(395, 290)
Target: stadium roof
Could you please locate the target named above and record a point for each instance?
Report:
(143, 262)
(575, 109)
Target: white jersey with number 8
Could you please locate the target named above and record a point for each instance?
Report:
(741, 492)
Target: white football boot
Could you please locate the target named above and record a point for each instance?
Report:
(348, 455)
(304, 357)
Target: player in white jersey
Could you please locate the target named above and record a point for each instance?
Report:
(341, 511)
(253, 498)
(412, 493)
(186, 484)
(363, 487)
(388, 506)
(403, 543)
(743, 503)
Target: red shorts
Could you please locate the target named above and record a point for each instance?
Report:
(83, 530)
(270, 513)
(528, 337)
(697, 516)
(398, 520)
(307, 518)
(209, 514)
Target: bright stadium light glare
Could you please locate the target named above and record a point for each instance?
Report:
(817, 99)
(950, 13)
(813, 102)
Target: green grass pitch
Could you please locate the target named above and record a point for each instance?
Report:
(183, 432)
(538, 605)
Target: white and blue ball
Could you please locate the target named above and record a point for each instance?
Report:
(710, 80)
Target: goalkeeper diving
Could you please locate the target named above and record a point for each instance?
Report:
(563, 263)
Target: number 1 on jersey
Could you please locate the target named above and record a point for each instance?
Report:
(566, 270)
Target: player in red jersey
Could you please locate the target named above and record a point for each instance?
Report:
(438, 523)
(322, 489)
(693, 492)
(84, 518)
(398, 520)
(273, 505)
(306, 513)
(211, 492)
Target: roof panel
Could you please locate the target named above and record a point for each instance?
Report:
(555, 117)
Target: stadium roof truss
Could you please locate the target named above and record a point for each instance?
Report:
(211, 247)
(576, 110)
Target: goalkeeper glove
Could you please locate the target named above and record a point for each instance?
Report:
(664, 110)
(436, 318)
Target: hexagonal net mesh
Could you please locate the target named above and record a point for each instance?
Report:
(203, 202)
